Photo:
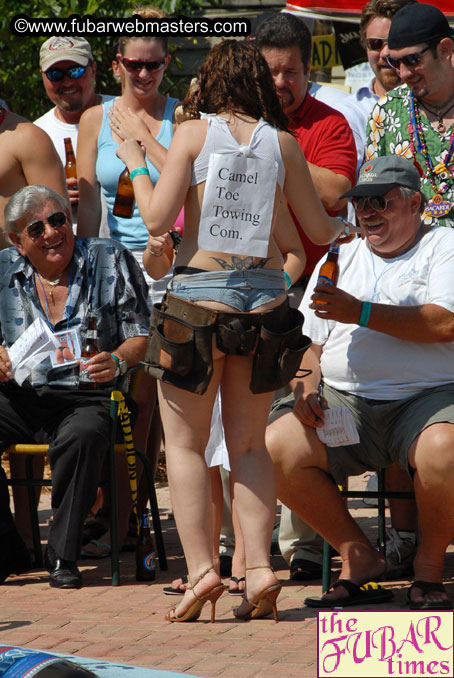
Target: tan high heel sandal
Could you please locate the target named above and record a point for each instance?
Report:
(266, 603)
(196, 608)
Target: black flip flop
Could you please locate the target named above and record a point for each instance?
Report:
(236, 592)
(367, 594)
(427, 587)
(175, 590)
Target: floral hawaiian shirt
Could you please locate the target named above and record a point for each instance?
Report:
(388, 134)
(104, 280)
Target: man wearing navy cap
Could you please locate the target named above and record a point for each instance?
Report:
(415, 120)
(383, 341)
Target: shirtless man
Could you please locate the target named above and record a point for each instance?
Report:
(27, 156)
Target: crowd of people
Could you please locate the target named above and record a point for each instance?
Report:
(258, 175)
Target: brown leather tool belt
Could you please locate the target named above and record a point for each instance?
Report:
(181, 340)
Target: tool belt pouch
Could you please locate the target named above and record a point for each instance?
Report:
(233, 336)
(278, 355)
(179, 352)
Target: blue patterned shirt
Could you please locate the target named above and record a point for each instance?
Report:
(103, 274)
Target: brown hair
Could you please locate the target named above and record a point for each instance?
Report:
(145, 12)
(381, 9)
(235, 77)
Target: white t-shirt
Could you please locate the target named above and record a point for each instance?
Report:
(59, 130)
(373, 364)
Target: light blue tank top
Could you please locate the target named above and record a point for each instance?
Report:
(130, 232)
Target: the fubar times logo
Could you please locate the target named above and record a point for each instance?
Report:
(380, 644)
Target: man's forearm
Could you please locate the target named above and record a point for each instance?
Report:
(132, 350)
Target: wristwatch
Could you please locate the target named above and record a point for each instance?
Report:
(122, 365)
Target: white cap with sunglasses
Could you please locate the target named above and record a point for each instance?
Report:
(62, 48)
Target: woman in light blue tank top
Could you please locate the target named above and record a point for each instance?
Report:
(141, 110)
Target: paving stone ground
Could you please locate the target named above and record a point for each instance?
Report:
(126, 623)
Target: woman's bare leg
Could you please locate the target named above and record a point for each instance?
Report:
(254, 488)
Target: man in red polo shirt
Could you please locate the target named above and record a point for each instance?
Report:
(327, 142)
(323, 134)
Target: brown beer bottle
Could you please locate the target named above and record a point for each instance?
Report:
(124, 199)
(70, 166)
(329, 270)
(145, 553)
(89, 349)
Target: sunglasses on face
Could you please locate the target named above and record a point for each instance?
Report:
(376, 44)
(137, 65)
(376, 202)
(73, 72)
(36, 229)
(410, 60)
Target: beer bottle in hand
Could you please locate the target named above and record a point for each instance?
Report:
(89, 349)
(329, 270)
(145, 553)
(124, 199)
(70, 165)
(21, 662)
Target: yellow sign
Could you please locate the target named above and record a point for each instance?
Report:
(324, 52)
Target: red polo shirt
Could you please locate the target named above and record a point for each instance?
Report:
(326, 140)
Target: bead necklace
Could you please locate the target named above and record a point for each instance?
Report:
(441, 174)
(439, 113)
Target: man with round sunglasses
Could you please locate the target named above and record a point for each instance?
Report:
(64, 281)
(382, 347)
(416, 119)
(68, 71)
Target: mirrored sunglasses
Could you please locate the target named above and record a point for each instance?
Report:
(376, 44)
(410, 60)
(36, 229)
(137, 65)
(57, 74)
(377, 202)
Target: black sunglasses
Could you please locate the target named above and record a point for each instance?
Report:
(137, 65)
(73, 72)
(377, 202)
(410, 60)
(376, 44)
(36, 229)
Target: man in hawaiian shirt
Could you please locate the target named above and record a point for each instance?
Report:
(416, 119)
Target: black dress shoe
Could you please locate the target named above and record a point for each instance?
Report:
(15, 558)
(64, 574)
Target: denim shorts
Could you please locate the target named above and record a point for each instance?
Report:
(243, 290)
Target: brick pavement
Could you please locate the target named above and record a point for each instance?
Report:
(126, 623)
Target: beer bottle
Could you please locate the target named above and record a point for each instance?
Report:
(145, 553)
(329, 270)
(20, 662)
(70, 165)
(124, 199)
(89, 349)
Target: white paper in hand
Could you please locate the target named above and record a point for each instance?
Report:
(339, 428)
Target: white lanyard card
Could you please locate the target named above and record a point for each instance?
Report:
(237, 208)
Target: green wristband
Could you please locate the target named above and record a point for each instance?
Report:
(365, 313)
(288, 279)
(137, 171)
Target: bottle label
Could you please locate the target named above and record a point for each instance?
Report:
(149, 562)
(18, 662)
(92, 334)
(83, 374)
(324, 280)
